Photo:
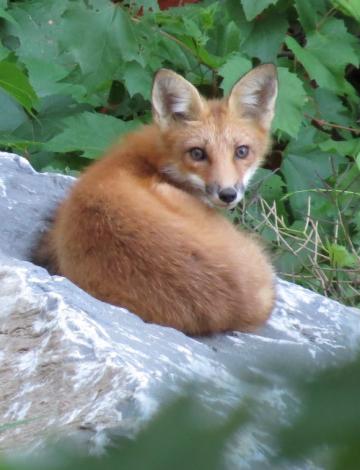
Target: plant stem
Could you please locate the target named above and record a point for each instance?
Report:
(322, 122)
(320, 190)
(325, 17)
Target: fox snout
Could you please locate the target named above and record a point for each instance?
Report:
(228, 196)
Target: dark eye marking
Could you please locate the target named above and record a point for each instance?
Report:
(198, 154)
(241, 152)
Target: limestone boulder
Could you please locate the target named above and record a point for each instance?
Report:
(72, 365)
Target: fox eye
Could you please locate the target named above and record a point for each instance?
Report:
(197, 154)
(242, 151)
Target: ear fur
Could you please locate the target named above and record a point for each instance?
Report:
(254, 95)
(174, 98)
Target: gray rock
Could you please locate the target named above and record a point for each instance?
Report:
(72, 364)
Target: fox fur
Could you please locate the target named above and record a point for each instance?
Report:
(141, 229)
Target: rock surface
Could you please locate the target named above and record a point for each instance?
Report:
(70, 363)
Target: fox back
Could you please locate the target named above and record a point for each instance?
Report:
(141, 229)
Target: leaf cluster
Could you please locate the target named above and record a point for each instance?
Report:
(76, 74)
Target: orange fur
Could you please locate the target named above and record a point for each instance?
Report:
(133, 236)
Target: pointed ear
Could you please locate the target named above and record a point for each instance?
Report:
(254, 95)
(174, 98)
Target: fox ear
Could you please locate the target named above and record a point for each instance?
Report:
(254, 95)
(174, 98)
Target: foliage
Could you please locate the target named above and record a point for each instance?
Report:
(328, 424)
(324, 433)
(76, 74)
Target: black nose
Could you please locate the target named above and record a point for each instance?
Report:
(227, 195)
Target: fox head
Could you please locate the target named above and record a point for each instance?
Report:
(213, 147)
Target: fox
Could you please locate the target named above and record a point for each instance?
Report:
(142, 227)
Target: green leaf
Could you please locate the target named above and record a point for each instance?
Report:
(327, 423)
(340, 257)
(17, 143)
(4, 52)
(314, 67)
(64, 163)
(90, 133)
(173, 53)
(226, 39)
(30, 134)
(12, 115)
(137, 79)
(266, 37)
(286, 262)
(271, 185)
(209, 59)
(101, 47)
(356, 219)
(307, 14)
(290, 103)
(192, 29)
(334, 41)
(358, 161)
(125, 35)
(349, 147)
(46, 78)
(52, 111)
(236, 13)
(318, 56)
(4, 14)
(252, 8)
(233, 69)
(349, 7)
(16, 83)
(197, 442)
(273, 188)
(305, 167)
(39, 25)
(328, 106)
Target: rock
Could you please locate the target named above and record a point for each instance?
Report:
(72, 364)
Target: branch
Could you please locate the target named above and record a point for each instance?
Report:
(322, 122)
(325, 17)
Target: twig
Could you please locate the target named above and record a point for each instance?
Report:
(320, 190)
(322, 122)
(325, 17)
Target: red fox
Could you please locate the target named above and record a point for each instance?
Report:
(140, 228)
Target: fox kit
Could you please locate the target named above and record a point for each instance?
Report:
(141, 228)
